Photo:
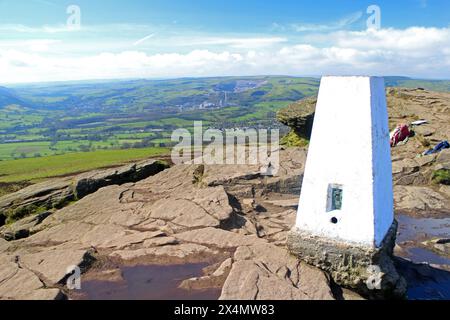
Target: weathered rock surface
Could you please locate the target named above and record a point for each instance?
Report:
(217, 238)
(421, 200)
(443, 157)
(181, 251)
(21, 229)
(266, 272)
(58, 192)
(186, 213)
(284, 203)
(299, 116)
(213, 280)
(17, 282)
(4, 245)
(54, 264)
(412, 171)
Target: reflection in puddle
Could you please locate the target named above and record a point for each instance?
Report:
(416, 230)
(413, 228)
(429, 290)
(424, 282)
(421, 255)
(151, 282)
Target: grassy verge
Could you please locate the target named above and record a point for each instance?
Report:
(442, 176)
(37, 169)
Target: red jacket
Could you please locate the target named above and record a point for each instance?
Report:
(399, 134)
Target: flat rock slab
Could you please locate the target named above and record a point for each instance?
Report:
(181, 251)
(264, 271)
(54, 264)
(19, 283)
(284, 203)
(218, 238)
(421, 200)
(4, 245)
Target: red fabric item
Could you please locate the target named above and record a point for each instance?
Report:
(399, 134)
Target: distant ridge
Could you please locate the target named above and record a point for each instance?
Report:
(138, 93)
(9, 97)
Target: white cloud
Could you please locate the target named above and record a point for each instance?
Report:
(417, 51)
(40, 45)
(417, 39)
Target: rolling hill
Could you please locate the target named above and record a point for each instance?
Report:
(8, 97)
(48, 119)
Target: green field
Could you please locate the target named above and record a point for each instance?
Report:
(61, 119)
(49, 130)
(42, 120)
(36, 169)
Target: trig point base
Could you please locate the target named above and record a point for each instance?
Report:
(345, 222)
(369, 271)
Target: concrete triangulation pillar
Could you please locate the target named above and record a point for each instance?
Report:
(345, 222)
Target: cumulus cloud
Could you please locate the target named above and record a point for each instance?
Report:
(417, 52)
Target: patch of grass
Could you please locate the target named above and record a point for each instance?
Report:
(441, 176)
(6, 188)
(38, 169)
(294, 140)
(17, 214)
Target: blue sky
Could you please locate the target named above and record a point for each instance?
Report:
(174, 38)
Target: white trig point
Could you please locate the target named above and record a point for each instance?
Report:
(347, 186)
(345, 217)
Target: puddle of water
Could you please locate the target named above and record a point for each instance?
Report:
(429, 290)
(420, 255)
(149, 283)
(413, 228)
(424, 282)
(416, 230)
